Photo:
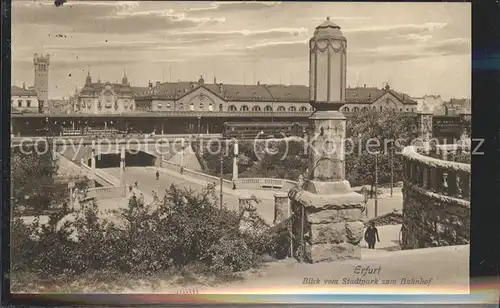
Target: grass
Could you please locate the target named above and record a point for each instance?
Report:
(195, 275)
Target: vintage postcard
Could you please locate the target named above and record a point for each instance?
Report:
(275, 148)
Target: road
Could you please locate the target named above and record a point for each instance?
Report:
(147, 183)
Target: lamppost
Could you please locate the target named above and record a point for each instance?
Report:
(221, 177)
(392, 165)
(199, 141)
(376, 183)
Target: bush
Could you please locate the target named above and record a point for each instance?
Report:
(187, 229)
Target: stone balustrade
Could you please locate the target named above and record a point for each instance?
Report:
(436, 201)
(109, 192)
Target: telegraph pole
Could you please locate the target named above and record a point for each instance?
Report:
(392, 166)
(221, 179)
(376, 184)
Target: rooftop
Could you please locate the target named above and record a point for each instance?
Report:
(18, 91)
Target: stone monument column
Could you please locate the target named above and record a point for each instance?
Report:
(235, 160)
(327, 215)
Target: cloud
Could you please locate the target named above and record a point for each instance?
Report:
(269, 34)
(96, 17)
(235, 6)
(455, 46)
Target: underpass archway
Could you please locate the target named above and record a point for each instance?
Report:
(106, 161)
(139, 159)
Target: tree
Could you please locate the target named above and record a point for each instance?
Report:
(391, 131)
(33, 178)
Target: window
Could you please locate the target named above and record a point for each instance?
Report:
(381, 108)
(159, 105)
(191, 107)
(292, 108)
(221, 108)
(312, 108)
(281, 108)
(244, 108)
(364, 109)
(355, 109)
(201, 106)
(28, 103)
(303, 108)
(168, 105)
(268, 108)
(181, 106)
(19, 103)
(232, 108)
(210, 107)
(345, 109)
(256, 108)
(401, 109)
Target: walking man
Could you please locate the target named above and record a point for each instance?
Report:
(371, 234)
(157, 175)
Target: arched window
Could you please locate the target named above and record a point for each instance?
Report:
(168, 105)
(221, 108)
(191, 106)
(210, 107)
(232, 108)
(201, 106)
(345, 109)
(312, 108)
(364, 108)
(255, 108)
(181, 106)
(355, 109)
(281, 108)
(411, 109)
(401, 109)
(244, 108)
(268, 108)
(303, 108)
(292, 108)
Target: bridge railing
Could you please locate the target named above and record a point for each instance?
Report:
(107, 192)
(438, 176)
(436, 201)
(99, 174)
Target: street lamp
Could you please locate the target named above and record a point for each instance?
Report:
(221, 178)
(392, 165)
(376, 183)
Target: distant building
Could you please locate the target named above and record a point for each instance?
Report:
(460, 105)
(41, 68)
(106, 97)
(24, 100)
(429, 103)
(201, 96)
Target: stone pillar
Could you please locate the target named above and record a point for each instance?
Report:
(425, 125)
(92, 159)
(328, 212)
(235, 161)
(122, 166)
(245, 203)
(281, 207)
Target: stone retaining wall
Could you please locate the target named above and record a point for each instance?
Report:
(436, 207)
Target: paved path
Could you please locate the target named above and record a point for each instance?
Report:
(147, 183)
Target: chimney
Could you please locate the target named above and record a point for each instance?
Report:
(365, 85)
(258, 82)
(157, 83)
(150, 84)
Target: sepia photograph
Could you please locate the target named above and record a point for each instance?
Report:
(276, 148)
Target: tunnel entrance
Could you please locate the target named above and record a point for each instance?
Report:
(106, 161)
(139, 159)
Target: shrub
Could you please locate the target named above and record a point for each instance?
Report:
(185, 230)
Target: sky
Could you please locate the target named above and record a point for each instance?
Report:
(417, 48)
